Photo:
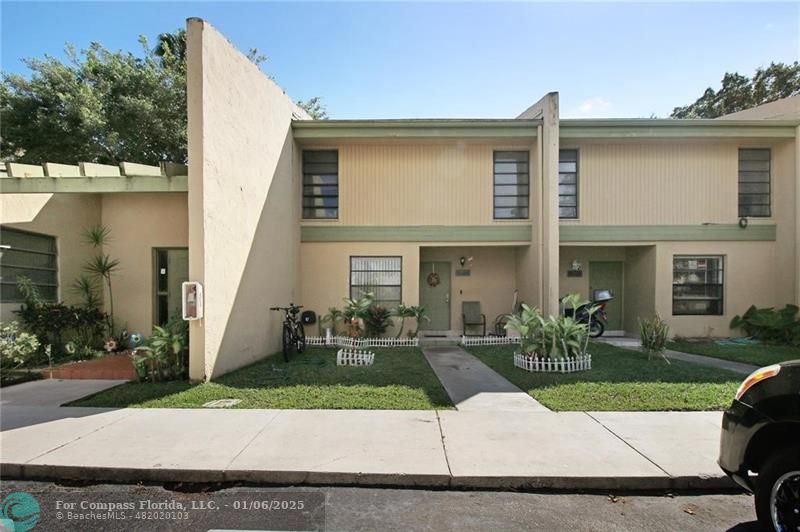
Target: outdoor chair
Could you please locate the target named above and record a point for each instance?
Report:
(472, 316)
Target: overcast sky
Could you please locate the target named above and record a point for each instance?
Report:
(470, 60)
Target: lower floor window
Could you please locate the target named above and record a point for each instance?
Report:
(171, 270)
(697, 285)
(31, 256)
(380, 276)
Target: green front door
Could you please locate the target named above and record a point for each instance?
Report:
(608, 275)
(434, 294)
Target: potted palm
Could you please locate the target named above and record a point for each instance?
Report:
(328, 322)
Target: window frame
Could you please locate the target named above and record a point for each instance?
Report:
(739, 183)
(350, 275)
(721, 285)
(157, 292)
(577, 184)
(54, 270)
(304, 196)
(527, 206)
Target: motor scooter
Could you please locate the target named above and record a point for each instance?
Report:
(598, 320)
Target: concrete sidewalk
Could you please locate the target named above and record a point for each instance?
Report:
(500, 450)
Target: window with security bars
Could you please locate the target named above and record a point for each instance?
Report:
(754, 182)
(568, 183)
(511, 185)
(320, 184)
(697, 286)
(380, 276)
(31, 255)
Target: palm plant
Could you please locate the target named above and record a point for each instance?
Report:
(402, 311)
(333, 315)
(102, 266)
(87, 289)
(355, 311)
(420, 314)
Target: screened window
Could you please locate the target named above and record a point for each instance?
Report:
(697, 286)
(568, 183)
(511, 184)
(381, 276)
(30, 255)
(320, 184)
(754, 182)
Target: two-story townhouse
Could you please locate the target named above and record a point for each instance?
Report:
(694, 220)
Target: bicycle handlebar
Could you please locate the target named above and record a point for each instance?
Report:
(293, 307)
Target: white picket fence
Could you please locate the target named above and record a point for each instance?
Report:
(489, 340)
(552, 365)
(346, 341)
(354, 357)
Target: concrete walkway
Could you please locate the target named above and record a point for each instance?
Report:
(711, 362)
(52, 392)
(474, 386)
(474, 449)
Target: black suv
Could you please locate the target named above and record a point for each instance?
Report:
(760, 443)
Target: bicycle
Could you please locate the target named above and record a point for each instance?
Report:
(294, 336)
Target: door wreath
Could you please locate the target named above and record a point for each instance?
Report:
(433, 279)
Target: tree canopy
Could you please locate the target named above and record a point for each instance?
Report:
(103, 106)
(739, 92)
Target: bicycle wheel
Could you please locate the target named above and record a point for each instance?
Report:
(288, 343)
(300, 338)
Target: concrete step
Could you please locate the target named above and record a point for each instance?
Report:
(438, 341)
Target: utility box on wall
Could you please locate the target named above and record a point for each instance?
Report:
(192, 297)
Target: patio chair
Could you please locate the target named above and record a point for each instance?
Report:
(472, 316)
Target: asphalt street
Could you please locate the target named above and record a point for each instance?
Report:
(138, 507)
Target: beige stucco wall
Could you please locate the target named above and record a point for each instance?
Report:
(754, 274)
(63, 216)
(422, 183)
(640, 286)
(492, 280)
(243, 202)
(139, 223)
(665, 182)
(325, 272)
(783, 109)
(752, 277)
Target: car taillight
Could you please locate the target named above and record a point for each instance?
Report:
(756, 377)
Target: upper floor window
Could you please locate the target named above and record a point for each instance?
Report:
(320, 184)
(754, 182)
(511, 185)
(24, 254)
(697, 286)
(568, 183)
(380, 276)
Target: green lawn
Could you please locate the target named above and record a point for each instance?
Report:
(756, 354)
(620, 379)
(400, 379)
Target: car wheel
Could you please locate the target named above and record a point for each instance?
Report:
(778, 491)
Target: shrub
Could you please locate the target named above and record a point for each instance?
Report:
(165, 355)
(653, 334)
(770, 325)
(377, 320)
(551, 337)
(16, 347)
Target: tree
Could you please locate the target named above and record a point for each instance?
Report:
(739, 92)
(101, 106)
(314, 107)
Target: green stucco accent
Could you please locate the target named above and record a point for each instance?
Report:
(416, 233)
(674, 128)
(652, 233)
(343, 129)
(92, 185)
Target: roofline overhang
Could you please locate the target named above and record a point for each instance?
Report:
(675, 128)
(422, 128)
